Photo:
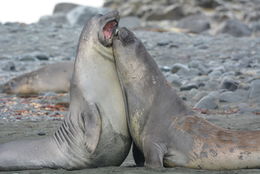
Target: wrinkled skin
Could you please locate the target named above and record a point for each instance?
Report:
(54, 77)
(94, 132)
(165, 131)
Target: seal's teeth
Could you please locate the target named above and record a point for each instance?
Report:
(116, 32)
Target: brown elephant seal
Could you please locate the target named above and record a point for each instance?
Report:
(54, 77)
(94, 132)
(166, 131)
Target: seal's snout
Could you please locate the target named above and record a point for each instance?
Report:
(123, 34)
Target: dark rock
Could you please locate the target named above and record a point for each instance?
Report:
(229, 84)
(208, 102)
(255, 90)
(41, 133)
(207, 3)
(81, 14)
(234, 97)
(42, 57)
(189, 86)
(64, 7)
(172, 12)
(9, 66)
(235, 28)
(194, 23)
(163, 43)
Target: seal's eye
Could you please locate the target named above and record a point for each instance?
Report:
(109, 29)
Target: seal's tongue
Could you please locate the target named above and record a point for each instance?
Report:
(109, 29)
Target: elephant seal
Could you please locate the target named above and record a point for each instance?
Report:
(164, 129)
(54, 77)
(94, 132)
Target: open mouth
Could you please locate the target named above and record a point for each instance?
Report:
(109, 29)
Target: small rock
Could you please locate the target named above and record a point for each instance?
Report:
(165, 68)
(41, 133)
(235, 28)
(189, 86)
(234, 97)
(178, 66)
(216, 72)
(229, 84)
(199, 95)
(212, 84)
(27, 58)
(207, 3)
(194, 23)
(193, 92)
(208, 102)
(9, 66)
(42, 57)
(163, 43)
(255, 90)
(174, 79)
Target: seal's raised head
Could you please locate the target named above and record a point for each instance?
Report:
(102, 28)
(131, 55)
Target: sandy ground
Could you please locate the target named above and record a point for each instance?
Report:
(12, 130)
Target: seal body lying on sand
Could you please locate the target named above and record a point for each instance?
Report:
(166, 131)
(54, 77)
(94, 132)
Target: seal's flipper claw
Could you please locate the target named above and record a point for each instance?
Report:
(92, 122)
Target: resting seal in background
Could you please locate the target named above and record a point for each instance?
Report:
(54, 77)
(94, 132)
(166, 131)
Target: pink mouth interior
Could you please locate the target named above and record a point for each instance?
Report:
(108, 29)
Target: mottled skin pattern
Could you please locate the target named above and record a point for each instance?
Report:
(94, 132)
(54, 77)
(164, 129)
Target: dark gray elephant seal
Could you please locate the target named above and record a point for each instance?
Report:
(166, 131)
(54, 77)
(94, 132)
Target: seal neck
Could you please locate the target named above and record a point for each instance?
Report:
(106, 53)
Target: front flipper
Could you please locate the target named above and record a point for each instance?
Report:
(92, 126)
(153, 153)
